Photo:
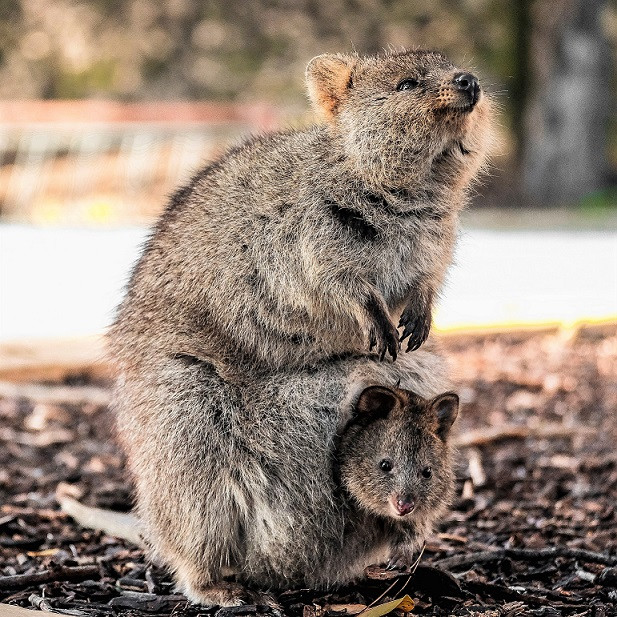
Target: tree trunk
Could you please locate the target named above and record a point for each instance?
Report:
(564, 154)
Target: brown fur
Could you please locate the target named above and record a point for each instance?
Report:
(265, 274)
(241, 478)
(410, 433)
(302, 245)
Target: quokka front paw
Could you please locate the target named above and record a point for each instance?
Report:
(383, 337)
(401, 559)
(416, 324)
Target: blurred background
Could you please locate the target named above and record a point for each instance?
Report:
(107, 105)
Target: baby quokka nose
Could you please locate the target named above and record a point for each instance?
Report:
(466, 82)
(402, 504)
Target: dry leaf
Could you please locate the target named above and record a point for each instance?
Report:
(404, 604)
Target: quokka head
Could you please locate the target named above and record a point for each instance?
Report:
(404, 117)
(394, 457)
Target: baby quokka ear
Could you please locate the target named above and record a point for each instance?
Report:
(376, 401)
(445, 407)
(328, 78)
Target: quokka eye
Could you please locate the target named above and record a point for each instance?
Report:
(427, 472)
(407, 84)
(385, 465)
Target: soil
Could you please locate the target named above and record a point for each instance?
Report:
(533, 530)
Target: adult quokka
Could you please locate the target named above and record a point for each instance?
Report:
(307, 244)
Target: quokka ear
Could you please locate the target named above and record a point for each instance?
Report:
(445, 407)
(376, 401)
(328, 78)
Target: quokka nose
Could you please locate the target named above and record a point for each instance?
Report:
(468, 83)
(404, 504)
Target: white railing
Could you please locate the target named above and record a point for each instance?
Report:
(104, 162)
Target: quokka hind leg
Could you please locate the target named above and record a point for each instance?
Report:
(222, 593)
(227, 594)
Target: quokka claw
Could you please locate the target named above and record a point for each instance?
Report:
(387, 343)
(417, 328)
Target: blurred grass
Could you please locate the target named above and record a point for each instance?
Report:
(596, 219)
(599, 204)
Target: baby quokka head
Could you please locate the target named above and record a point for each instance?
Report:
(394, 455)
(402, 117)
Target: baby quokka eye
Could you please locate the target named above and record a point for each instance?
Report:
(427, 472)
(385, 465)
(407, 84)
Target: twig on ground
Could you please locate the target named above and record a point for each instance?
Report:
(57, 573)
(42, 604)
(524, 554)
(148, 602)
(491, 434)
(520, 594)
(44, 513)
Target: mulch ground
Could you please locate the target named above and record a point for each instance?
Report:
(533, 530)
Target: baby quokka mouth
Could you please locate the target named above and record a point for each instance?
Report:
(402, 505)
